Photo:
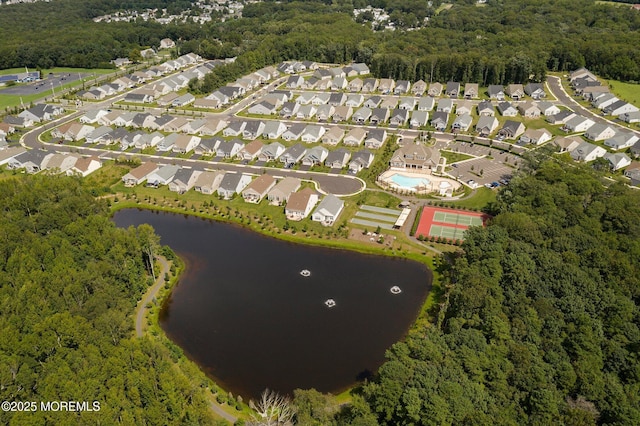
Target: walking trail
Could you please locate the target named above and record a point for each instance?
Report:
(141, 313)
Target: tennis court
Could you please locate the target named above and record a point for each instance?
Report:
(446, 232)
(456, 219)
(448, 223)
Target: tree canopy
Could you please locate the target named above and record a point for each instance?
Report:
(503, 42)
(541, 320)
(69, 281)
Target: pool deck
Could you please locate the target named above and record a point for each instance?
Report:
(435, 181)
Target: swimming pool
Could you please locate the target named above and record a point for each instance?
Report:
(410, 182)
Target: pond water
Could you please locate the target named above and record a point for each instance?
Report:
(244, 312)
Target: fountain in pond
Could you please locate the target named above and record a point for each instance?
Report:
(330, 303)
(305, 272)
(395, 290)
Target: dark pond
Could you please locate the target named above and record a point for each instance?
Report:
(244, 313)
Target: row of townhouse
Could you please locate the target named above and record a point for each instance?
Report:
(228, 184)
(35, 161)
(227, 94)
(583, 151)
(162, 87)
(38, 113)
(397, 111)
(165, 122)
(322, 72)
(304, 132)
(203, 143)
(338, 79)
(587, 85)
(276, 152)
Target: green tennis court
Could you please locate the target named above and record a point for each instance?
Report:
(446, 232)
(457, 219)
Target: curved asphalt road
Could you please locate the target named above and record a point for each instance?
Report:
(555, 85)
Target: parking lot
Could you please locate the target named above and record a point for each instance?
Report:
(44, 86)
(483, 170)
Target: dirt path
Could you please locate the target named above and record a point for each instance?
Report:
(217, 408)
(141, 310)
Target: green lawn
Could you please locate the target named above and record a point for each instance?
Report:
(454, 157)
(482, 197)
(628, 92)
(57, 70)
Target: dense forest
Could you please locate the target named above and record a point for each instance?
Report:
(69, 281)
(503, 42)
(540, 323)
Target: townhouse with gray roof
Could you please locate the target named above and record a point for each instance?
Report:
(328, 210)
(232, 183)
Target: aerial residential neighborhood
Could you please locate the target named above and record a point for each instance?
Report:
(247, 212)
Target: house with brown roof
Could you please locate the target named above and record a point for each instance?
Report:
(435, 89)
(355, 85)
(60, 163)
(386, 85)
(250, 150)
(300, 204)
(342, 113)
(355, 136)
(535, 136)
(208, 182)
(515, 91)
(280, 193)
(471, 91)
(139, 174)
(85, 166)
(529, 110)
(418, 88)
(333, 136)
(258, 188)
(567, 144)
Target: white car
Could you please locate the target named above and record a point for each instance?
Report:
(472, 184)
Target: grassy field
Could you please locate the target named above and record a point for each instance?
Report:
(482, 197)
(628, 92)
(57, 70)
